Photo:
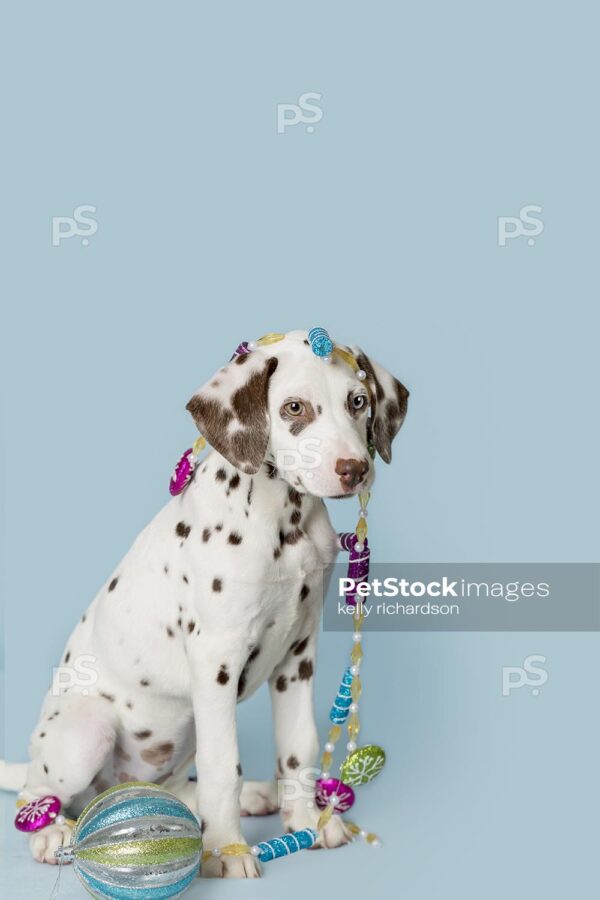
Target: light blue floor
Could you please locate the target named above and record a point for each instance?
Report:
(483, 795)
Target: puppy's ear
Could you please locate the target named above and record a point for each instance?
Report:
(231, 410)
(389, 401)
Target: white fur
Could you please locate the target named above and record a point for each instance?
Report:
(170, 633)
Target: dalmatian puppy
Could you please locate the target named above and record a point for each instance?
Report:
(221, 592)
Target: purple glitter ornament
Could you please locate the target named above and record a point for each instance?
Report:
(358, 563)
(240, 350)
(37, 814)
(182, 475)
(326, 788)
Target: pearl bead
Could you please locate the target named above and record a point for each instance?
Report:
(357, 637)
(354, 670)
(376, 843)
(326, 359)
(252, 345)
(351, 746)
(329, 747)
(361, 374)
(216, 851)
(60, 820)
(333, 799)
(255, 850)
(353, 707)
(325, 776)
(363, 833)
(359, 547)
(363, 513)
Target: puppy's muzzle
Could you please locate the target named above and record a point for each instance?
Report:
(351, 472)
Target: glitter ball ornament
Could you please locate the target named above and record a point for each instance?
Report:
(135, 841)
(38, 814)
(326, 788)
(362, 765)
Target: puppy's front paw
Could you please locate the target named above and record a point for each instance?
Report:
(335, 833)
(245, 866)
(44, 843)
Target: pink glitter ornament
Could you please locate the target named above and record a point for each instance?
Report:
(182, 475)
(326, 788)
(37, 814)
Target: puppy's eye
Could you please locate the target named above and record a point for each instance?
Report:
(293, 408)
(359, 402)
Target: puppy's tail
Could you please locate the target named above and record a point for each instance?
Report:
(12, 776)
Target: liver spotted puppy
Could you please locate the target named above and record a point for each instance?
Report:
(221, 592)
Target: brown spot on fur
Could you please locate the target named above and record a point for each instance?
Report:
(305, 670)
(234, 538)
(300, 647)
(295, 517)
(166, 569)
(191, 626)
(159, 754)
(108, 697)
(45, 768)
(219, 527)
(238, 769)
(113, 584)
(206, 535)
(120, 753)
(292, 762)
(271, 470)
(221, 475)
(144, 682)
(217, 585)
(295, 497)
(142, 735)
(242, 681)
(281, 683)
(292, 537)
(241, 359)
(304, 592)
(43, 734)
(234, 482)
(223, 675)
(250, 489)
(182, 530)
(170, 631)
(185, 579)
(276, 553)
(67, 656)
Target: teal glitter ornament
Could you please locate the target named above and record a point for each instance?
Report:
(135, 842)
(320, 342)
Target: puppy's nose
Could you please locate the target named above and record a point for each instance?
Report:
(351, 472)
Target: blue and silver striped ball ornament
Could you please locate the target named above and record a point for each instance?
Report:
(135, 842)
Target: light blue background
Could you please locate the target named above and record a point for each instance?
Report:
(381, 226)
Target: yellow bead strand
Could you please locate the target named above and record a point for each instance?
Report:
(272, 337)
